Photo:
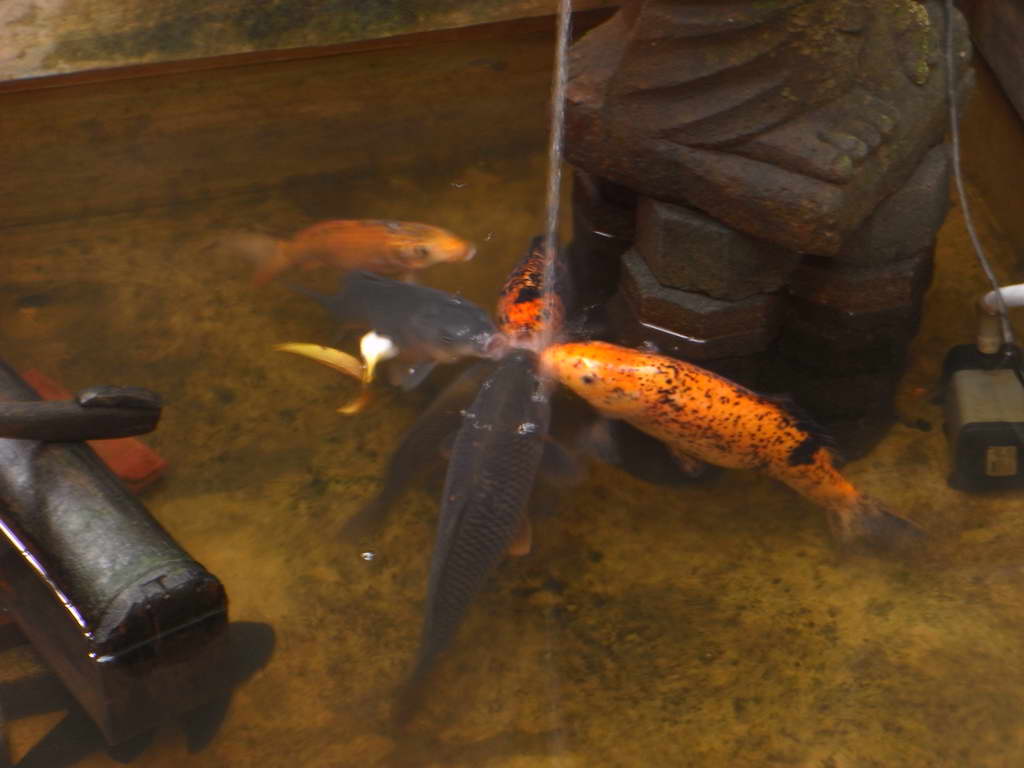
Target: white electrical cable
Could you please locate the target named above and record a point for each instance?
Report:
(1012, 295)
(990, 331)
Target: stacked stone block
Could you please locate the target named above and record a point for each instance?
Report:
(831, 331)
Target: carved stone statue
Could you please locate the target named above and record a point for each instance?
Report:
(786, 119)
(767, 178)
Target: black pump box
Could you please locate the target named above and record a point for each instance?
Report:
(984, 401)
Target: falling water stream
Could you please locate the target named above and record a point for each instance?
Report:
(554, 179)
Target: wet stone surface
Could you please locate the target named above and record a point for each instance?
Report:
(627, 329)
(852, 292)
(830, 397)
(905, 223)
(721, 328)
(689, 250)
(602, 229)
(821, 346)
(854, 320)
(611, 205)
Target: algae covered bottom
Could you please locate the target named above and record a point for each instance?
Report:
(704, 625)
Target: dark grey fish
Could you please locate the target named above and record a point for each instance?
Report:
(421, 447)
(427, 325)
(495, 459)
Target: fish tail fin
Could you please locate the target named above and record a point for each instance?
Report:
(270, 255)
(370, 518)
(274, 258)
(409, 699)
(868, 523)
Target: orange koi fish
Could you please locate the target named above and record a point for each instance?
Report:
(703, 417)
(523, 314)
(381, 246)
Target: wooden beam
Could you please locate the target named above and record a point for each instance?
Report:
(40, 38)
(150, 139)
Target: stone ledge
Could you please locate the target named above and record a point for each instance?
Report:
(39, 38)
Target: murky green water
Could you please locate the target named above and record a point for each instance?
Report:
(703, 626)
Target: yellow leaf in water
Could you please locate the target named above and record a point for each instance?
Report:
(339, 361)
(355, 406)
(332, 358)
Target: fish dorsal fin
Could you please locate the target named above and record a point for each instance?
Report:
(806, 422)
(559, 466)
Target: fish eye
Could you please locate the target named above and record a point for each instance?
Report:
(588, 378)
(421, 250)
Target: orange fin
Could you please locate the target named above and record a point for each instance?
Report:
(868, 524)
(269, 254)
(523, 541)
(689, 465)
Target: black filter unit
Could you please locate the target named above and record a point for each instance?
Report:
(984, 400)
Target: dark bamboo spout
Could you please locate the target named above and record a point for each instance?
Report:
(131, 624)
(96, 413)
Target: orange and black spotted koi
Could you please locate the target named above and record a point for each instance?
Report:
(525, 314)
(703, 417)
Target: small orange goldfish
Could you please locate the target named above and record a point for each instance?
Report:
(703, 417)
(381, 246)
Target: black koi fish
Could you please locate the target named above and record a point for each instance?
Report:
(421, 448)
(427, 326)
(495, 459)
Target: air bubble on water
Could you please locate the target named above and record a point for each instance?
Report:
(526, 428)
(368, 556)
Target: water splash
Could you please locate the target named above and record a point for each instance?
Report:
(555, 147)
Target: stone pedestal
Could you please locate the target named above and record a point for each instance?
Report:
(603, 227)
(789, 181)
(689, 250)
